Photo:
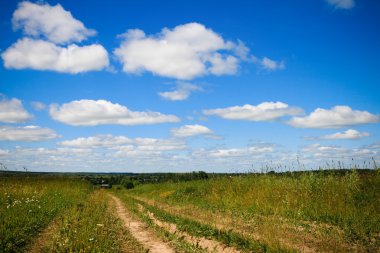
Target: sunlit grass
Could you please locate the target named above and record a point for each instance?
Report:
(28, 204)
(92, 226)
(177, 242)
(349, 201)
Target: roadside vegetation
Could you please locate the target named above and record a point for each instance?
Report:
(314, 211)
(175, 240)
(29, 203)
(91, 226)
(326, 210)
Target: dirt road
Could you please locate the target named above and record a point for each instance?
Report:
(140, 231)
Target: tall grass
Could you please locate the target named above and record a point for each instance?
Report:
(28, 204)
(92, 226)
(349, 200)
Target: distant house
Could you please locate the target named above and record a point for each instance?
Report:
(105, 186)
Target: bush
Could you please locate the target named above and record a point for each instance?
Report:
(127, 183)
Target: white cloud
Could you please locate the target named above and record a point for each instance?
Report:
(185, 52)
(223, 65)
(97, 141)
(100, 112)
(243, 52)
(182, 92)
(337, 156)
(336, 117)
(255, 150)
(350, 134)
(51, 159)
(27, 53)
(173, 155)
(324, 151)
(190, 130)
(12, 111)
(342, 4)
(50, 26)
(240, 152)
(266, 111)
(27, 133)
(3, 152)
(270, 65)
(38, 106)
(123, 146)
(152, 144)
(51, 22)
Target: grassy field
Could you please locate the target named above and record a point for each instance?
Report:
(329, 211)
(78, 217)
(29, 203)
(324, 211)
(90, 226)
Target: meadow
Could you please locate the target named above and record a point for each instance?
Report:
(29, 203)
(325, 210)
(320, 211)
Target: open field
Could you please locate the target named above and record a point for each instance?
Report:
(28, 204)
(305, 211)
(325, 211)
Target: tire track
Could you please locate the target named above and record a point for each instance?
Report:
(204, 243)
(40, 242)
(138, 230)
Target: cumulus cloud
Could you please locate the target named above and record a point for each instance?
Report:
(99, 112)
(337, 156)
(243, 52)
(269, 64)
(240, 152)
(324, 151)
(27, 133)
(97, 141)
(12, 111)
(266, 111)
(336, 117)
(184, 52)
(152, 144)
(123, 146)
(38, 106)
(190, 130)
(350, 134)
(46, 27)
(256, 150)
(3, 152)
(182, 92)
(28, 53)
(98, 153)
(342, 4)
(223, 65)
(50, 22)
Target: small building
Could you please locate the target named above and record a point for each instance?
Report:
(105, 186)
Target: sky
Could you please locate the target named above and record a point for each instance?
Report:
(177, 86)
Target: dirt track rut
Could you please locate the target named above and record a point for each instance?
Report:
(139, 230)
(204, 243)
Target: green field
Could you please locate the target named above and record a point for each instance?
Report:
(323, 211)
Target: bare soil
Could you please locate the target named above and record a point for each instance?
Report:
(140, 231)
(287, 234)
(204, 243)
(40, 242)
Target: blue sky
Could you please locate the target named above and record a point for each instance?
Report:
(147, 86)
